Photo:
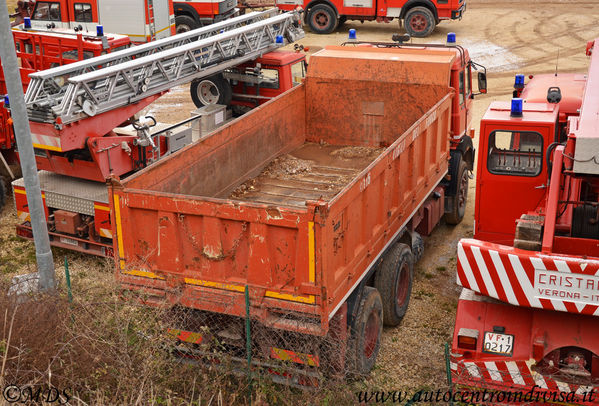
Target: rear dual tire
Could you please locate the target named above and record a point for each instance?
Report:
(365, 337)
(394, 280)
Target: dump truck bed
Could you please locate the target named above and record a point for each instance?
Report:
(295, 200)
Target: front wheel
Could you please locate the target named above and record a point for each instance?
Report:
(211, 90)
(419, 22)
(322, 19)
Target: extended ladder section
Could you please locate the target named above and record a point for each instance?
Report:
(68, 93)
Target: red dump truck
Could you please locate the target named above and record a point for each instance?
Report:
(314, 202)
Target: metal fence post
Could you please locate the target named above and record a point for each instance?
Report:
(448, 369)
(248, 340)
(18, 110)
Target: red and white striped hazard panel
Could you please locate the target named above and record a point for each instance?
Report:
(527, 278)
(512, 374)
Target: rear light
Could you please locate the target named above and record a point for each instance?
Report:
(467, 339)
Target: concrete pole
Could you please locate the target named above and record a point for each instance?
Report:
(18, 110)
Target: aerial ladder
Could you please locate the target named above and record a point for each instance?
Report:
(85, 125)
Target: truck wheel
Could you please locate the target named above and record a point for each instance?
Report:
(2, 193)
(211, 90)
(185, 23)
(393, 280)
(461, 196)
(365, 339)
(419, 22)
(322, 19)
(417, 246)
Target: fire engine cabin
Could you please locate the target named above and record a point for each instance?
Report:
(140, 20)
(528, 313)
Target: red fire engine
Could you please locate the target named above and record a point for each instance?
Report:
(44, 49)
(526, 320)
(142, 21)
(419, 16)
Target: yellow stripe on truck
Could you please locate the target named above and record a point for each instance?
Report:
(48, 147)
(311, 253)
(119, 229)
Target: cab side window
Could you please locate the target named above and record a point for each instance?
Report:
(517, 153)
(47, 11)
(83, 13)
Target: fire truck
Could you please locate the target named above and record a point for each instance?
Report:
(44, 49)
(86, 128)
(420, 17)
(142, 21)
(527, 317)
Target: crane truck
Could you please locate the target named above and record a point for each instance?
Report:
(305, 213)
(86, 128)
(526, 320)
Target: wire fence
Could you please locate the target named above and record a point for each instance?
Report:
(103, 345)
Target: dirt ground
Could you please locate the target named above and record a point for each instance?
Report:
(516, 37)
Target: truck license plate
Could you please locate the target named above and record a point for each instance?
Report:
(69, 241)
(495, 343)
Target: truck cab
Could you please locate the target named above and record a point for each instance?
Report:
(515, 143)
(420, 17)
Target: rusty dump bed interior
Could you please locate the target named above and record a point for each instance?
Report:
(309, 172)
(317, 138)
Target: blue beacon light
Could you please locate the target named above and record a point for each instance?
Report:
(517, 106)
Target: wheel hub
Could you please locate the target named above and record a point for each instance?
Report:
(418, 23)
(371, 333)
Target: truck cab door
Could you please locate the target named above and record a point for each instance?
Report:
(511, 179)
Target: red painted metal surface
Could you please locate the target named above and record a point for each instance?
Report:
(178, 238)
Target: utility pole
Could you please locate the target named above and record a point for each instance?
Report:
(18, 110)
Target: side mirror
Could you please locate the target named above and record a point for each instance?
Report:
(482, 82)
